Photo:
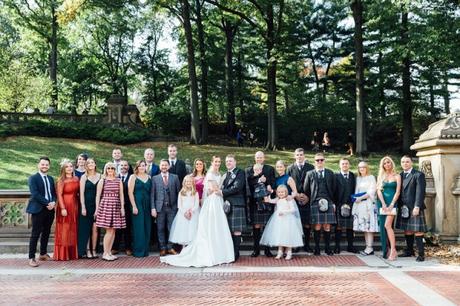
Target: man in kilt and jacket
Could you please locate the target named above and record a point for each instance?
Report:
(320, 187)
(411, 213)
(234, 191)
(345, 187)
(260, 214)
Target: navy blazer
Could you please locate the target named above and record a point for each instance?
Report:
(155, 170)
(37, 200)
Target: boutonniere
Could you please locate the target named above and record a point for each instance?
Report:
(233, 176)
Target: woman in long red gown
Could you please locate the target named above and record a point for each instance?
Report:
(65, 241)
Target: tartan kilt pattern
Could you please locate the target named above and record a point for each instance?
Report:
(260, 217)
(237, 219)
(318, 217)
(346, 223)
(413, 223)
(304, 211)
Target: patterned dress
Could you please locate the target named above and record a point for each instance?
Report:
(365, 212)
(109, 210)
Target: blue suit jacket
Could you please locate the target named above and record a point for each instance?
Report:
(155, 170)
(37, 200)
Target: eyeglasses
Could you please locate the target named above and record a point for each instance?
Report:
(319, 160)
(110, 168)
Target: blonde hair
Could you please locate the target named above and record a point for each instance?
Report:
(282, 187)
(86, 164)
(366, 165)
(382, 173)
(184, 189)
(64, 164)
(258, 167)
(109, 164)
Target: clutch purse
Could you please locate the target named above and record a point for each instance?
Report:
(391, 212)
(356, 195)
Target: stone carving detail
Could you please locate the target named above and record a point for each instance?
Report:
(452, 126)
(426, 169)
(13, 214)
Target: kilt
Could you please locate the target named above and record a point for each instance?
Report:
(413, 223)
(318, 217)
(237, 219)
(345, 223)
(259, 216)
(304, 211)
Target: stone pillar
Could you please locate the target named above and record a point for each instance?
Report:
(115, 106)
(456, 194)
(438, 149)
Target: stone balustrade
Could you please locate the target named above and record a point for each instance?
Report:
(13, 214)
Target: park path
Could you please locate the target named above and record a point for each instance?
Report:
(338, 280)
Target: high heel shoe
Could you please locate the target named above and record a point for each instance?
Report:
(279, 255)
(94, 253)
(393, 255)
(89, 255)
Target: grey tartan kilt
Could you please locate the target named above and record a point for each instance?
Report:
(304, 211)
(237, 219)
(346, 223)
(259, 217)
(318, 217)
(413, 223)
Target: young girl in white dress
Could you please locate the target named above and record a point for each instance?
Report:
(284, 228)
(185, 224)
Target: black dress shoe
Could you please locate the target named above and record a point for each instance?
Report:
(352, 250)
(307, 249)
(329, 252)
(406, 254)
(295, 250)
(337, 250)
(317, 253)
(420, 258)
(268, 253)
(255, 253)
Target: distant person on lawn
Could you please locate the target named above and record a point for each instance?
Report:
(41, 206)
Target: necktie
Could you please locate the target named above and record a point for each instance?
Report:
(123, 178)
(172, 163)
(321, 174)
(47, 188)
(345, 176)
(165, 180)
(300, 167)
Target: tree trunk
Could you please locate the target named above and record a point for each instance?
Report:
(204, 74)
(54, 57)
(271, 81)
(406, 90)
(432, 98)
(445, 91)
(239, 76)
(381, 88)
(194, 112)
(229, 36)
(361, 144)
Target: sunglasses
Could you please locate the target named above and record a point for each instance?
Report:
(319, 160)
(110, 168)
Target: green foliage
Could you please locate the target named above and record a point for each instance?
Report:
(69, 129)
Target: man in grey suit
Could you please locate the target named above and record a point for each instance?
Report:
(412, 199)
(164, 193)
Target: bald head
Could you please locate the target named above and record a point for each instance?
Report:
(259, 157)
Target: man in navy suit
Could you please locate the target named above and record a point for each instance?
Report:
(176, 166)
(41, 206)
(152, 168)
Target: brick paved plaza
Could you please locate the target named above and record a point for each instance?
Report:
(336, 280)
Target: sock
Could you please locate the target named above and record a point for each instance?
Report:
(338, 237)
(327, 238)
(256, 236)
(410, 243)
(350, 238)
(317, 237)
(306, 232)
(420, 245)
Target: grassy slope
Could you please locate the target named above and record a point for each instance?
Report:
(18, 155)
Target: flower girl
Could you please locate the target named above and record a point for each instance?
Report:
(185, 224)
(284, 229)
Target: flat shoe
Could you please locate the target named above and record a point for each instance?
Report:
(364, 253)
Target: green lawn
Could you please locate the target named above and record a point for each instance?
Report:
(18, 155)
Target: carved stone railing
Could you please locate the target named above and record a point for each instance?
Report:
(13, 214)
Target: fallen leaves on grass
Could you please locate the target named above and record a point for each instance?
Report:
(447, 254)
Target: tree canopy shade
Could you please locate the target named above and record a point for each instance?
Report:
(281, 68)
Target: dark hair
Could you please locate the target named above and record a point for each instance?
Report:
(84, 155)
(44, 158)
(407, 156)
(164, 160)
(299, 150)
(136, 167)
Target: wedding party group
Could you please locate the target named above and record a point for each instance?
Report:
(198, 213)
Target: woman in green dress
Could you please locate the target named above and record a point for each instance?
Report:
(87, 230)
(388, 190)
(139, 186)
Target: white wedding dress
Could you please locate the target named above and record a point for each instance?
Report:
(213, 244)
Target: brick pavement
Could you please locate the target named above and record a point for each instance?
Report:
(445, 283)
(203, 288)
(125, 262)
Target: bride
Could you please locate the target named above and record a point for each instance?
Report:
(213, 243)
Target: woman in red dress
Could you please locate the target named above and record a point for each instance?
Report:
(68, 186)
(199, 173)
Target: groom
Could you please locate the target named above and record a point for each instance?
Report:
(233, 190)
